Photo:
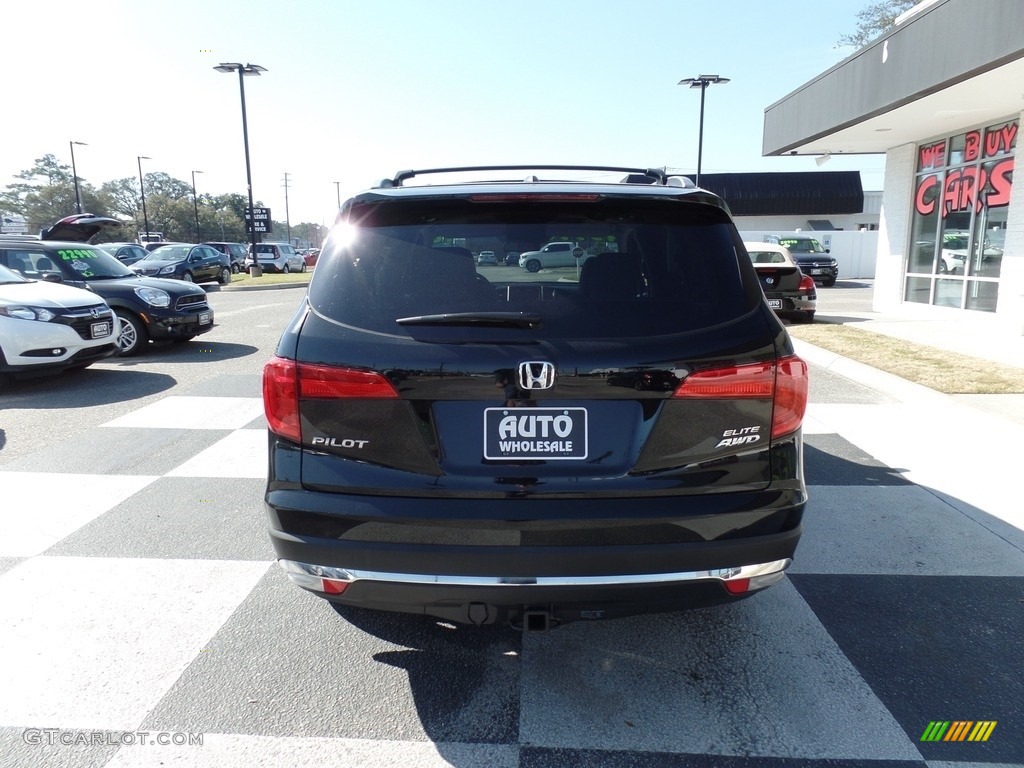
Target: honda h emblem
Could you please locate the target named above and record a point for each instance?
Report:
(536, 375)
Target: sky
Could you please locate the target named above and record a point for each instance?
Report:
(356, 91)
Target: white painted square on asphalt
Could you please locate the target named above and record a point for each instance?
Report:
(759, 677)
(185, 412)
(243, 453)
(44, 507)
(97, 642)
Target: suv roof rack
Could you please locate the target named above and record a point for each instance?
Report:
(657, 174)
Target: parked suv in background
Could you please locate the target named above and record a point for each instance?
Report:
(561, 254)
(235, 253)
(49, 327)
(147, 307)
(811, 256)
(479, 449)
(277, 257)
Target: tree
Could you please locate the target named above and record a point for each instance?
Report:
(877, 18)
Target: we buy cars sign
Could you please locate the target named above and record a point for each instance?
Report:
(262, 222)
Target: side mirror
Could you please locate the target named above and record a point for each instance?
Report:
(52, 277)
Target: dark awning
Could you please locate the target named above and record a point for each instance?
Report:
(788, 193)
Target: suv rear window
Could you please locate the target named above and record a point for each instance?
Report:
(643, 267)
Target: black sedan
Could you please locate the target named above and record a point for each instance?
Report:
(191, 263)
(126, 253)
(789, 291)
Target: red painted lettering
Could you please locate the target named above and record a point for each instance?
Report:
(972, 146)
(933, 156)
(961, 191)
(924, 200)
(1001, 184)
(1000, 140)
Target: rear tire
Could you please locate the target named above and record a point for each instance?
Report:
(829, 283)
(187, 277)
(225, 276)
(533, 265)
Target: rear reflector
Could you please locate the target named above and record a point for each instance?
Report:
(784, 382)
(285, 382)
(736, 586)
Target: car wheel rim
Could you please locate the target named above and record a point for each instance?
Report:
(285, 269)
(129, 338)
(225, 275)
(187, 277)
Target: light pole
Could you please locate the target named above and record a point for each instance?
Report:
(142, 186)
(337, 189)
(243, 70)
(287, 217)
(74, 172)
(702, 82)
(195, 203)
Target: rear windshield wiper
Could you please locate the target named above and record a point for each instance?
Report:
(481, 319)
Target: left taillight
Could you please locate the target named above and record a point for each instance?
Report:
(285, 382)
(784, 382)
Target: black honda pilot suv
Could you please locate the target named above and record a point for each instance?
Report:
(472, 445)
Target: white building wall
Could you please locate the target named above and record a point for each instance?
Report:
(894, 227)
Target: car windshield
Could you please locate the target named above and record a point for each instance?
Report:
(168, 253)
(637, 268)
(7, 276)
(802, 245)
(76, 262)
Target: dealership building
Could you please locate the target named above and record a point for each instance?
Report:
(942, 96)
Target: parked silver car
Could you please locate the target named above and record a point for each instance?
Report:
(277, 257)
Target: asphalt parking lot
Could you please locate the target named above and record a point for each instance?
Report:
(140, 598)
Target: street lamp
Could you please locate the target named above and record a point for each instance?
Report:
(74, 172)
(195, 203)
(142, 186)
(337, 189)
(243, 70)
(702, 82)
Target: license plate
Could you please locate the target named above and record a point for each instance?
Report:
(818, 271)
(775, 303)
(99, 330)
(549, 434)
(204, 318)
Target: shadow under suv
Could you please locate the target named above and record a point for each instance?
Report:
(454, 442)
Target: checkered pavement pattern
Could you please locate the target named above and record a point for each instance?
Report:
(139, 596)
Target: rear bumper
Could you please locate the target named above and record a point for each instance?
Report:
(480, 600)
(482, 561)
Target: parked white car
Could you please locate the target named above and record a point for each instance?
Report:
(277, 257)
(561, 254)
(47, 326)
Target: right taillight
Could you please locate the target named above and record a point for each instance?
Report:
(285, 382)
(790, 400)
(807, 286)
(784, 382)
